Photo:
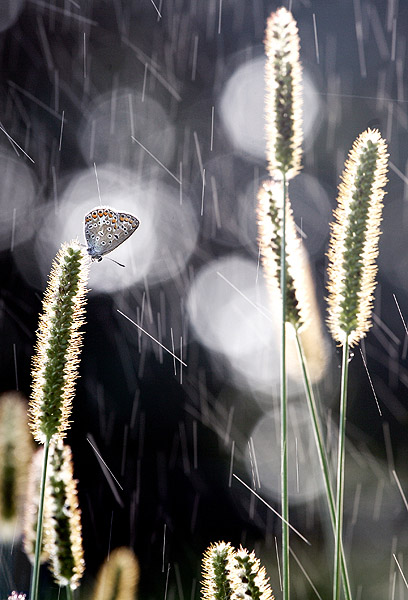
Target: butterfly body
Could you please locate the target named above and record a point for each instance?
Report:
(106, 229)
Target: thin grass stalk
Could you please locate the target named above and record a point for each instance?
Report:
(70, 594)
(284, 426)
(323, 460)
(340, 471)
(38, 544)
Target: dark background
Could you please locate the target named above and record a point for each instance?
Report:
(169, 441)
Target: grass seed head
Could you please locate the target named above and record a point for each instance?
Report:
(56, 358)
(217, 581)
(354, 239)
(16, 448)
(62, 518)
(253, 581)
(283, 101)
(269, 214)
(118, 577)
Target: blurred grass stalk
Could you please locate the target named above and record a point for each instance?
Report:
(31, 507)
(283, 110)
(352, 276)
(55, 364)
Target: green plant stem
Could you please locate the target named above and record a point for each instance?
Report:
(324, 464)
(38, 542)
(284, 427)
(70, 595)
(340, 472)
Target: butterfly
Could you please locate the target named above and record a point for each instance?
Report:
(106, 229)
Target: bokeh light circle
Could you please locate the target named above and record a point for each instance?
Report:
(227, 320)
(242, 108)
(105, 135)
(9, 12)
(17, 200)
(305, 480)
(230, 312)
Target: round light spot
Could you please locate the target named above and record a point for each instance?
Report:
(305, 478)
(19, 216)
(242, 108)
(9, 12)
(105, 135)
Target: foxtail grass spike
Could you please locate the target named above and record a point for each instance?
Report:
(56, 359)
(217, 583)
(354, 239)
(62, 519)
(269, 213)
(301, 306)
(118, 578)
(253, 582)
(283, 104)
(31, 507)
(16, 448)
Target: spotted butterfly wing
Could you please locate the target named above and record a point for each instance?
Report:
(106, 229)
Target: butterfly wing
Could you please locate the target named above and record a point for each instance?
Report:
(106, 229)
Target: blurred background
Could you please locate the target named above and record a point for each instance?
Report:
(156, 108)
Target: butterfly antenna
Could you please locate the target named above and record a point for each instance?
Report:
(115, 261)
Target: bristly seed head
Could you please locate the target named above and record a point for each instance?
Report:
(16, 448)
(62, 519)
(253, 581)
(269, 213)
(229, 574)
(354, 239)
(216, 566)
(118, 577)
(56, 359)
(283, 103)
